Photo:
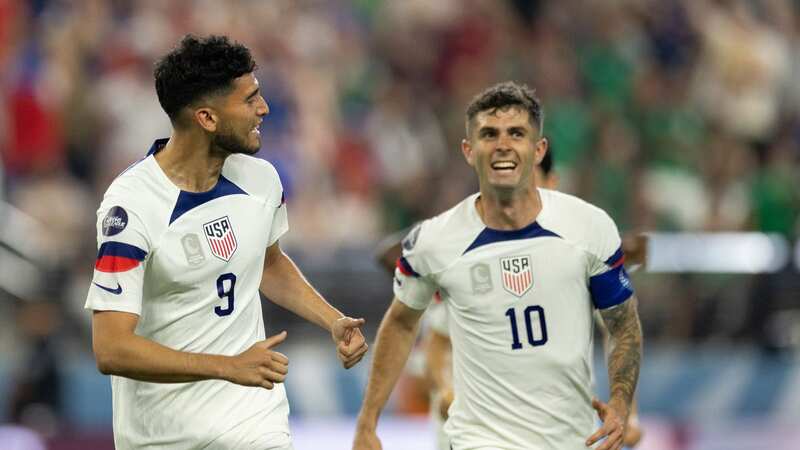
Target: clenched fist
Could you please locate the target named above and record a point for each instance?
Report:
(350, 343)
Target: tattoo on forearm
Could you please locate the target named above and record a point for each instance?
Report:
(626, 352)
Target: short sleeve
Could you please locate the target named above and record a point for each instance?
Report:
(413, 284)
(280, 220)
(609, 283)
(123, 247)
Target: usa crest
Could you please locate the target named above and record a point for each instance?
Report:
(516, 274)
(220, 237)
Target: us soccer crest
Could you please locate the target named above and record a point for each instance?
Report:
(516, 274)
(220, 237)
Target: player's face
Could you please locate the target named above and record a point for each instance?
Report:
(240, 115)
(503, 148)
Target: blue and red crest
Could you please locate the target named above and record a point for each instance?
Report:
(220, 237)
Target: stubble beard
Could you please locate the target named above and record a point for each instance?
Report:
(229, 142)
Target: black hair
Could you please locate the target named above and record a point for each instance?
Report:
(198, 67)
(547, 161)
(503, 95)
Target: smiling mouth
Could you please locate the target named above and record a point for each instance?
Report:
(504, 166)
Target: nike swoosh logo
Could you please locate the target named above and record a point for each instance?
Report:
(116, 291)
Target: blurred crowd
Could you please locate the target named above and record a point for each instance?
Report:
(673, 115)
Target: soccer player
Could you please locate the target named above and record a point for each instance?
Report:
(436, 345)
(520, 270)
(187, 237)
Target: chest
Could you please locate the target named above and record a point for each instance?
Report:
(536, 271)
(228, 234)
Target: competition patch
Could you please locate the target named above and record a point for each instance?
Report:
(516, 274)
(220, 237)
(411, 239)
(115, 221)
(481, 277)
(192, 249)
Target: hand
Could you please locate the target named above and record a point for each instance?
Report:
(259, 365)
(633, 432)
(350, 343)
(445, 400)
(366, 439)
(614, 416)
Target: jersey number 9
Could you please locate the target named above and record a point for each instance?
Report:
(224, 292)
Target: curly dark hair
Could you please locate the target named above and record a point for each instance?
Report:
(198, 67)
(503, 95)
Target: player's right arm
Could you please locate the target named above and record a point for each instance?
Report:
(392, 347)
(119, 351)
(413, 290)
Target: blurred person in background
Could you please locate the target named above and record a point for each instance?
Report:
(187, 237)
(553, 250)
(437, 346)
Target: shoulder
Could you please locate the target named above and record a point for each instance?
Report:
(442, 239)
(136, 196)
(135, 187)
(254, 175)
(578, 221)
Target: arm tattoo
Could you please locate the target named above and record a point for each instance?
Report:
(626, 348)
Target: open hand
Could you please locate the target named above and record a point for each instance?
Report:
(614, 416)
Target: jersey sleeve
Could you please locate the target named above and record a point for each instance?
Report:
(413, 284)
(280, 220)
(609, 283)
(123, 247)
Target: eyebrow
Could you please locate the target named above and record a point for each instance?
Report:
(253, 94)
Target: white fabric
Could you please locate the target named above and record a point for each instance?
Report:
(537, 396)
(178, 291)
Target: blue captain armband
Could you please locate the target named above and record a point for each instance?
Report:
(610, 288)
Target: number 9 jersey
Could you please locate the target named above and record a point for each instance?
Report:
(519, 306)
(189, 265)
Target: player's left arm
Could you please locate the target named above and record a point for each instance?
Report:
(624, 359)
(284, 284)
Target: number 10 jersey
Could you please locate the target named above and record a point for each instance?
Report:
(519, 306)
(189, 265)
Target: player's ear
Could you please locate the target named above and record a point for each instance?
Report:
(466, 149)
(206, 118)
(540, 149)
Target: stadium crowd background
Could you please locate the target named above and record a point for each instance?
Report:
(673, 115)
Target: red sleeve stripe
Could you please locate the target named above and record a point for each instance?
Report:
(405, 268)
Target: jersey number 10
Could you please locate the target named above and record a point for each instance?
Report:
(529, 326)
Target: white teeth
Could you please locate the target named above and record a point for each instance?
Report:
(504, 165)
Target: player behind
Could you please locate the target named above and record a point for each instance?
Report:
(436, 344)
(187, 238)
(520, 270)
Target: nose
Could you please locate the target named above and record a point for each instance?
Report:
(504, 142)
(263, 108)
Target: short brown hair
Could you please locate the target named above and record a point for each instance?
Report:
(507, 94)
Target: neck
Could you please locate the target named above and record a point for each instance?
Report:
(508, 211)
(191, 162)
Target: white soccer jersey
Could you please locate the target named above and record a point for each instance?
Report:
(519, 307)
(190, 265)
